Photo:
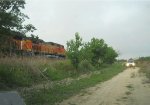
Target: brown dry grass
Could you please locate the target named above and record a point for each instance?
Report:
(25, 71)
(145, 68)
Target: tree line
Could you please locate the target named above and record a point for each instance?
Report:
(12, 24)
(12, 19)
(96, 52)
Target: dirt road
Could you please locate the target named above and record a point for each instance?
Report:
(127, 88)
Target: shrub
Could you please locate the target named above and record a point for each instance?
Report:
(53, 74)
(59, 70)
(145, 68)
(13, 76)
(16, 72)
(85, 66)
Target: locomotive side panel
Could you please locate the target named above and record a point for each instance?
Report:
(39, 48)
(26, 45)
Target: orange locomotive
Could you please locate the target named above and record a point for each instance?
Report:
(24, 45)
(49, 49)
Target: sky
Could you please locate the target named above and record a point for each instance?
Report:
(123, 24)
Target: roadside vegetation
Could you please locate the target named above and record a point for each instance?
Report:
(81, 59)
(61, 92)
(19, 72)
(144, 64)
(25, 72)
(96, 52)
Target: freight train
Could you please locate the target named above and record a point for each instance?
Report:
(48, 49)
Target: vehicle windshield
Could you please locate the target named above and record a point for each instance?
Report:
(130, 60)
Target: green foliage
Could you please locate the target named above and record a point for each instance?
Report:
(11, 17)
(86, 66)
(12, 23)
(110, 55)
(58, 70)
(16, 72)
(73, 50)
(144, 64)
(35, 39)
(97, 52)
(61, 92)
(144, 59)
(54, 74)
(14, 76)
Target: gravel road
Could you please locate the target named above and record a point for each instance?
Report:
(127, 88)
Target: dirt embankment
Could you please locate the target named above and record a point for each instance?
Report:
(127, 88)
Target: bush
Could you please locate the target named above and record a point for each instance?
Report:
(60, 92)
(16, 72)
(59, 70)
(13, 76)
(85, 66)
(145, 67)
(53, 74)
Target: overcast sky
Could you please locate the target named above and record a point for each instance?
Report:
(123, 24)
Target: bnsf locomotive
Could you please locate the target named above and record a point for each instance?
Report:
(48, 49)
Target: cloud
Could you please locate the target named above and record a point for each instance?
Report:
(123, 24)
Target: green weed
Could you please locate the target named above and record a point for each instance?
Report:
(61, 92)
(128, 93)
(85, 66)
(145, 68)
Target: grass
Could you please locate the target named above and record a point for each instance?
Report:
(129, 86)
(61, 92)
(23, 72)
(16, 73)
(128, 93)
(27, 71)
(124, 98)
(145, 67)
(133, 75)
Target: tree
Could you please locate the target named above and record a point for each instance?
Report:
(11, 18)
(110, 55)
(35, 39)
(86, 52)
(11, 22)
(97, 52)
(98, 48)
(94, 51)
(73, 50)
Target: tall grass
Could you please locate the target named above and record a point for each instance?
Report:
(86, 66)
(145, 67)
(61, 92)
(27, 71)
(16, 72)
(24, 72)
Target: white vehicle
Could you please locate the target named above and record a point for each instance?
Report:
(130, 63)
